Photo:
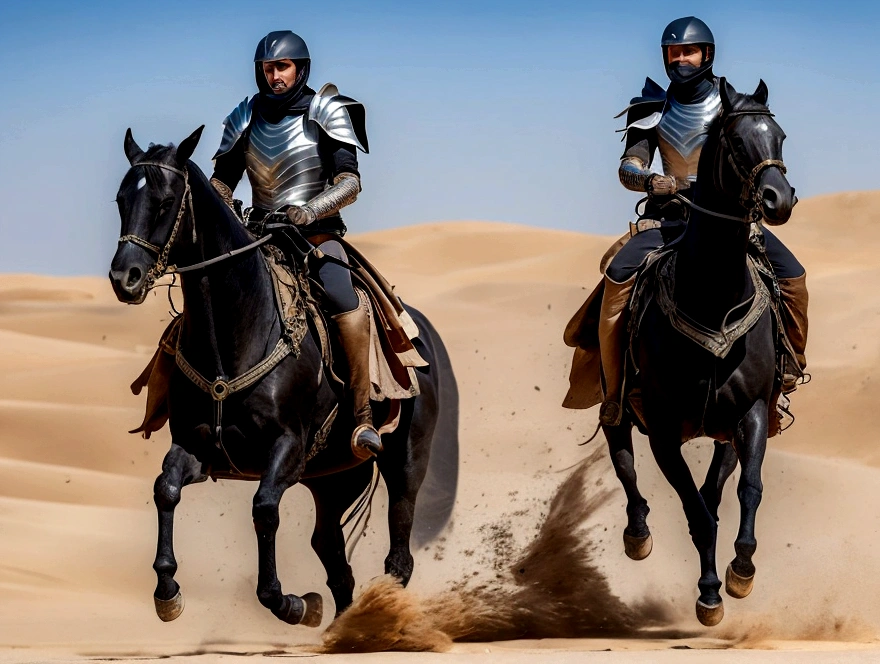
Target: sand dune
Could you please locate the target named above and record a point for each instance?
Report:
(77, 525)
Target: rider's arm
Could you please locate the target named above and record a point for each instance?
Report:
(634, 171)
(340, 162)
(228, 171)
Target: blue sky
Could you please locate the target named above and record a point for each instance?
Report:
(475, 110)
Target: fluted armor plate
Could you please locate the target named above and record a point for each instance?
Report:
(682, 132)
(283, 162)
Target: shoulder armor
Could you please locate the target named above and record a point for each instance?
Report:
(652, 93)
(340, 117)
(234, 125)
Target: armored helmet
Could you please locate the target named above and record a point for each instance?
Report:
(688, 30)
(282, 45)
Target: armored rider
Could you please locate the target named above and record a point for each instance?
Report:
(676, 122)
(299, 149)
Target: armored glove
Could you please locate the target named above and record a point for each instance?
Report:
(300, 216)
(635, 176)
(665, 185)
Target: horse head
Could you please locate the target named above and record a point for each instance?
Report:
(748, 163)
(152, 201)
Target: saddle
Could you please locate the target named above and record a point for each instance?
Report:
(393, 357)
(655, 281)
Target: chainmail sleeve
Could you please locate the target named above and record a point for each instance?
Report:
(345, 189)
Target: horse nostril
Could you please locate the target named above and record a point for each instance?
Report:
(771, 197)
(134, 276)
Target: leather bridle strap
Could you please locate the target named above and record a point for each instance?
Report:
(161, 267)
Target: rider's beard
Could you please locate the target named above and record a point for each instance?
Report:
(279, 87)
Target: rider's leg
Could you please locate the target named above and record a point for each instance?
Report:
(792, 280)
(353, 322)
(619, 281)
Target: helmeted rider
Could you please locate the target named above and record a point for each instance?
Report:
(676, 122)
(299, 149)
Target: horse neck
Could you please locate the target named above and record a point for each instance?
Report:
(229, 308)
(711, 275)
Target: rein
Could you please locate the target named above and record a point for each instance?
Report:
(161, 267)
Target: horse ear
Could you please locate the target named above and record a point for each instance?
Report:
(188, 146)
(132, 149)
(728, 94)
(761, 93)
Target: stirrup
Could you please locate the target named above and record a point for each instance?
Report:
(366, 442)
(610, 413)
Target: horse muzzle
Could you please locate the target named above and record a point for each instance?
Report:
(128, 273)
(776, 197)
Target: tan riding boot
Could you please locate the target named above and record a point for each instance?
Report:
(354, 331)
(612, 346)
(794, 315)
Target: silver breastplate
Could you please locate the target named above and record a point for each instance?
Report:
(682, 132)
(283, 163)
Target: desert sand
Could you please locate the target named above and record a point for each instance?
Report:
(77, 523)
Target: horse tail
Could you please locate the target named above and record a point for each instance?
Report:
(436, 497)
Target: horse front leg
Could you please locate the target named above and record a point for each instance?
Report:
(701, 524)
(637, 540)
(751, 444)
(723, 464)
(179, 468)
(284, 470)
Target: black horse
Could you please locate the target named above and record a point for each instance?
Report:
(171, 215)
(688, 391)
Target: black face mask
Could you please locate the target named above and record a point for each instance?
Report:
(690, 84)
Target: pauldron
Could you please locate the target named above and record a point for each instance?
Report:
(234, 125)
(341, 117)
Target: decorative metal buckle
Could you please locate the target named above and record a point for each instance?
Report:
(219, 389)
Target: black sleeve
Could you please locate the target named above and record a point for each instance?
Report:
(640, 143)
(229, 166)
(338, 157)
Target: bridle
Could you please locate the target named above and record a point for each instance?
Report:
(161, 267)
(749, 198)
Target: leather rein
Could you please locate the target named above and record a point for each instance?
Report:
(748, 179)
(161, 267)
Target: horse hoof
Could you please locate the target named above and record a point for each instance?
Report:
(710, 614)
(736, 585)
(313, 610)
(638, 548)
(169, 609)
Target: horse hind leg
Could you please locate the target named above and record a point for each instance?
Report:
(179, 468)
(404, 465)
(722, 465)
(333, 495)
(281, 474)
(751, 444)
(701, 524)
(637, 540)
